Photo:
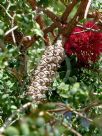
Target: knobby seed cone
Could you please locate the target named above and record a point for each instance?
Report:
(45, 72)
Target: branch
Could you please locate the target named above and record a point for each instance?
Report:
(9, 120)
(25, 41)
(68, 10)
(79, 15)
(40, 21)
(50, 14)
(67, 108)
(50, 28)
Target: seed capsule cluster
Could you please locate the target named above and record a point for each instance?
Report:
(45, 72)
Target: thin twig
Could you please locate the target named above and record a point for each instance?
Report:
(89, 29)
(71, 129)
(92, 105)
(6, 11)
(10, 30)
(81, 115)
(57, 110)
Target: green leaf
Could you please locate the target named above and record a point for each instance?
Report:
(25, 129)
(13, 107)
(5, 96)
(63, 86)
(1, 122)
(12, 131)
(39, 122)
(1, 24)
(63, 90)
(75, 88)
(38, 32)
(1, 32)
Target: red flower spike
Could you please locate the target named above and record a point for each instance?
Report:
(86, 45)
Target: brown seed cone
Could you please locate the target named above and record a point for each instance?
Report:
(45, 72)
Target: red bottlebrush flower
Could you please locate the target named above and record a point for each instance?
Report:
(86, 45)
